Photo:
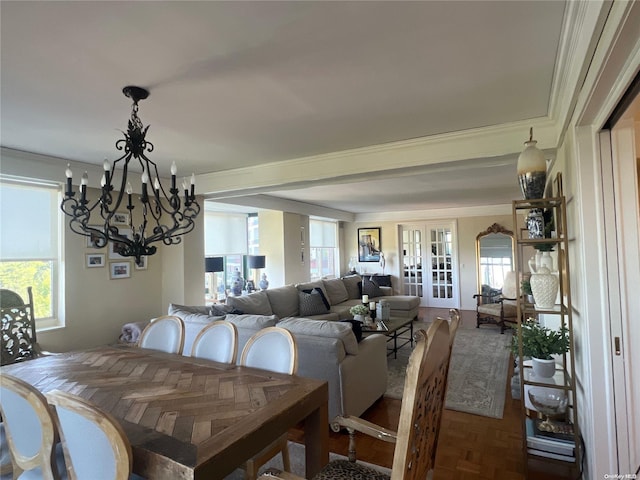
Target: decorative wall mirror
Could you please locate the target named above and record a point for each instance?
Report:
(494, 257)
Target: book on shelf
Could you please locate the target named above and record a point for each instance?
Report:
(548, 444)
(564, 433)
(555, 456)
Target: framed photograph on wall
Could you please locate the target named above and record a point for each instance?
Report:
(94, 260)
(116, 247)
(120, 218)
(93, 238)
(143, 263)
(369, 244)
(120, 270)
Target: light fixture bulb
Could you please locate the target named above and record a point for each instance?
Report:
(106, 165)
(145, 177)
(85, 178)
(68, 171)
(174, 169)
(129, 189)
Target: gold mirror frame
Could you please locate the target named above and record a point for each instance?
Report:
(495, 229)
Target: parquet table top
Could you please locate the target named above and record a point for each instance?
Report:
(186, 417)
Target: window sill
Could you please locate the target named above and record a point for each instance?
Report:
(48, 324)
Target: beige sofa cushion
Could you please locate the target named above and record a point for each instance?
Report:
(256, 303)
(336, 291)
(351, 284)
(253, 322)
(284, 301)
(323, 328)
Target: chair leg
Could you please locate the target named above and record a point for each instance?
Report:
(286, 462)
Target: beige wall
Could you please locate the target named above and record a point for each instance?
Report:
(467, 227)
(94, 307)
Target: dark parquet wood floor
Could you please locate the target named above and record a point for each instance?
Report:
(469, 447)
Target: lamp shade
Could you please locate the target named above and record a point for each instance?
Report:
(214, 264)
(257, 261)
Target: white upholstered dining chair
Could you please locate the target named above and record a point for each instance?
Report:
(274, 349)
(163, 333)
(30, 431)
(106, 456)
(217, 341)
(420, 416)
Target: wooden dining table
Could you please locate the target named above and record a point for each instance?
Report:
(188, 418)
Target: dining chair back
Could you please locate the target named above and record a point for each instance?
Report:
(163, 333)
(107, 456)
(272, 348)
(420, 417)
(29, 429)
(18, 327)
(218, 342)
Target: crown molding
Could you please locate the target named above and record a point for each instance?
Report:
(436, 214)
(486, 142)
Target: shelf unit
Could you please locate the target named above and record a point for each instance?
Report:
(542, 448)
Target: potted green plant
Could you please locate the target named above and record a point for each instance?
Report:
(359, 312)
(540, 343)
(525, 286)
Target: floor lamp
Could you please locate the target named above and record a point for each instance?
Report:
(255, 262)
(213, 265)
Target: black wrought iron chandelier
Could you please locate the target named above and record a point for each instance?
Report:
(164, 218)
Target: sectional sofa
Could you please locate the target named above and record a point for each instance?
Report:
(328, 349)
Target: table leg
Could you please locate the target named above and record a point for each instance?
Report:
(316, 440)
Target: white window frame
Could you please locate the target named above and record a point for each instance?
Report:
(55, 320)
(317, 249)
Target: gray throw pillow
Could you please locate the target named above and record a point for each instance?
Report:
(371, 288)
(311, 303)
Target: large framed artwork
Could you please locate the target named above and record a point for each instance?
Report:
(369, 244)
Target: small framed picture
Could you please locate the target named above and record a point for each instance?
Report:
(143, 263)
(95, 260)
(116, 247)
(92, 239)
(120, 218)
(120, 270)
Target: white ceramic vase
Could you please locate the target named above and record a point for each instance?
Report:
(543, 368)
(359, 318)
(544, 286)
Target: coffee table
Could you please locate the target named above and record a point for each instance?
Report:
(396, 333)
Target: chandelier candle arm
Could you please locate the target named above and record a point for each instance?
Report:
(180, 215)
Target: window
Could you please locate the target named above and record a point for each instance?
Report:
(232, 236)
(324, 254)
(29, 243)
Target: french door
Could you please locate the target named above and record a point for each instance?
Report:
(429, 253)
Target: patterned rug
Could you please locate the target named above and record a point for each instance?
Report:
(296, 457)
(477, 373)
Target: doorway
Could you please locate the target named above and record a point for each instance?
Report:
(429, 253)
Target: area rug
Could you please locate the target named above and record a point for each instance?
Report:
(477, 373)
(296, 458)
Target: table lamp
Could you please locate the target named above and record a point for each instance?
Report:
(213, 265)
(255, 262)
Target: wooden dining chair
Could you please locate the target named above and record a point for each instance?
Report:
(274, 349)
(164, 333)
(18, 330)
(94, 445)
(420, 414)
(30, 430)
(218, 342)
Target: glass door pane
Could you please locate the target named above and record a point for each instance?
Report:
(412, 249)
(442, 281)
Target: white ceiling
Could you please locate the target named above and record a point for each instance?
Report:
(236, 85)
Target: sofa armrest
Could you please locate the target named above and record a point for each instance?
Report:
(363, 377)
(386, 291)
